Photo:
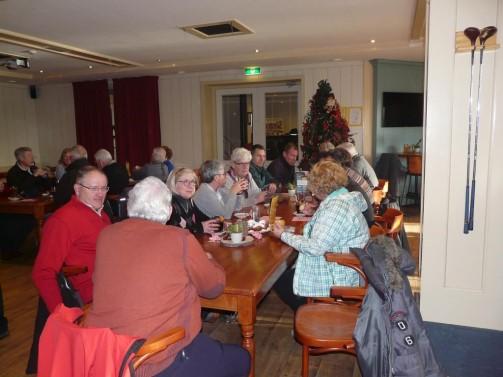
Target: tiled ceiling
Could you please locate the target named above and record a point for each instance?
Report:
(285, 32)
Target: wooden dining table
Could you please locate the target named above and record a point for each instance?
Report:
(38, 207)
(251, 272)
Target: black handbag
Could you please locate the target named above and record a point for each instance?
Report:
(71, 298)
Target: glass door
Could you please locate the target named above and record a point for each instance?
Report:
(257, 115)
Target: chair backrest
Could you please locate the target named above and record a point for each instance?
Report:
(376, 230)
(394, 221)
(378, 195)
(383, 185)
(415, 164)
(68, 349)
(348, 293)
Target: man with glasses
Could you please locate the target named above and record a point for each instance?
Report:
(69, 239)
(240, 172)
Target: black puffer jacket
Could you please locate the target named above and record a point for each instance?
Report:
(390, 335)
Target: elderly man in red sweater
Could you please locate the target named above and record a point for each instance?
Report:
(69, 238)
(148, 279)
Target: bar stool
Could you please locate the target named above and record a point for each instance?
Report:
(414, 171)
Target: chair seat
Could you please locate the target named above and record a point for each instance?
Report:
(326, 325)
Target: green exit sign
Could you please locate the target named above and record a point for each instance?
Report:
(250, 71)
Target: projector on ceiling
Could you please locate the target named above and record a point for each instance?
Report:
(14, 62)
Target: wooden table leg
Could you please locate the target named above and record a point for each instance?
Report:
(38, 213)
(247, 316)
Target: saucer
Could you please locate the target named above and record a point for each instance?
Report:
(14, 198)
(241, 215)
(247, 241)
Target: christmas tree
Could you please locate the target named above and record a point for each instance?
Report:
(323, 122)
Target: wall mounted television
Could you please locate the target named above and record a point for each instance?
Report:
(402, 109)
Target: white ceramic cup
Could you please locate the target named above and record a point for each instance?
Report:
(236, 237)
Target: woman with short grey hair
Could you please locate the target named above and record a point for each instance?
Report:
(240, 172)
(209, 198)
(150, 199)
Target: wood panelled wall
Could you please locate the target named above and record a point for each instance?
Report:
(462, 273)
(182, 100)
(47, 123)
(55, 120)
(18, 125)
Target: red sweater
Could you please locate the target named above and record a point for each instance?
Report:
(148, 279)
(68, 238)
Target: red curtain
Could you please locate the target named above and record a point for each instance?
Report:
(137, 124)
(93, 116)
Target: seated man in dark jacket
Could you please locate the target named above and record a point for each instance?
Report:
(28, 179)
(118, 177)
(283, 168)
(261, 176)
(64, 189)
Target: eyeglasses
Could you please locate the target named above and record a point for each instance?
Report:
(95, 188)
(242, 163)
(188, 182)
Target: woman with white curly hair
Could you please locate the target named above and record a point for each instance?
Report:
(149, 278)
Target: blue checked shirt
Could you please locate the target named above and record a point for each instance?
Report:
(337, 225)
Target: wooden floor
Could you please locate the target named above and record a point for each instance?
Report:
(278, 354)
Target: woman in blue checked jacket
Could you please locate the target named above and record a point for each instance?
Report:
(337, 225)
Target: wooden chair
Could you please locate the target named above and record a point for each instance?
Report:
(379, 193)
(414, 172)
(323, 327)
(152, 345)
(376, 230)
(391, 221)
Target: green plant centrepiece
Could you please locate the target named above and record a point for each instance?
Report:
(235, 228)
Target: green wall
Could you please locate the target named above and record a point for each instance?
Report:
(394, 76)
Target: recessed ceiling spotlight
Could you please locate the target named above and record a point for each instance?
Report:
(372, 41)
(41, 71)
(338, 60)
(90, 67)
(181, 72)
(173, 65)
(158, 60)
(257, 50)
(12, 81)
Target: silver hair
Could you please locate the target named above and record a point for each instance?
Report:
(103, 155)
(158, 155)
(241, 155)
(150, 199)
(326, 146)
(77, 152)
(175, 175)
(19, 152)
(210, 168)
(349, 147)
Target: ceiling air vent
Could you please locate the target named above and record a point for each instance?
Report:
(218, 29)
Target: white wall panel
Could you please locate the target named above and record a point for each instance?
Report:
(55, 113)
(461, 273)
(180, 99)
(18, 126)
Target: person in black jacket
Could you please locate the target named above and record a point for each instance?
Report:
(283, 168)
(183, 182)
(64, 189)
(28, 179)
(118, 177)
